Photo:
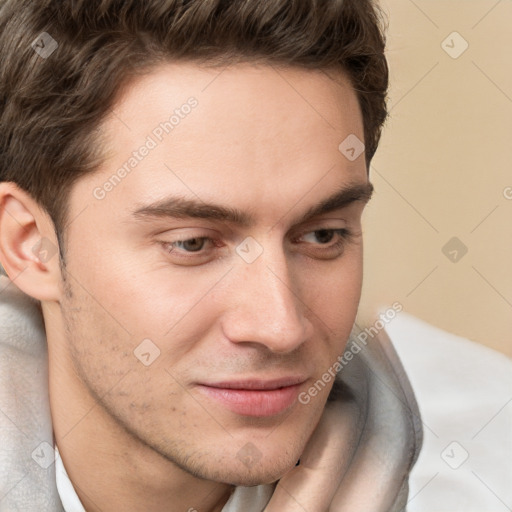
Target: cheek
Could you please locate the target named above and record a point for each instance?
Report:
(142, 293)
(332, 291)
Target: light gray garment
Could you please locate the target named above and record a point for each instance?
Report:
(390, 433)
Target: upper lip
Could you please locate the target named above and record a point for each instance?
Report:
(257, 384)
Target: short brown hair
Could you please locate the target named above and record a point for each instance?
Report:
(51, 105)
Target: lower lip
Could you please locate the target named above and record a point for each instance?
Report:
(259, 403)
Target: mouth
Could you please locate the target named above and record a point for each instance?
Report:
(255, 397)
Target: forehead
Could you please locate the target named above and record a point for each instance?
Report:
(237, 102)
(239, 132)
(167, 82)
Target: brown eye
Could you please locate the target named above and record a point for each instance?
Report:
(192, 244)
(324, 236)
(325, 244)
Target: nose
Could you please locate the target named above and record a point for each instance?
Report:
(265, 306)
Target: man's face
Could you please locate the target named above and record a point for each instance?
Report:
(195, 331)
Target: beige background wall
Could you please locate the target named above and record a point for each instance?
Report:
(444, 170)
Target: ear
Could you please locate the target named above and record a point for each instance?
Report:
(29, 251)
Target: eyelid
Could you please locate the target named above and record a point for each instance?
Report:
(187, 232)
(341, 237)
(318, 225)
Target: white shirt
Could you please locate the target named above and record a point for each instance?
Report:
(243, 499)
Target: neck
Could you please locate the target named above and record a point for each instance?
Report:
(110, 468)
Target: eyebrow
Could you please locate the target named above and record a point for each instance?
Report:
(178, 207)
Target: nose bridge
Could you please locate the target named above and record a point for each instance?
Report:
(267, 308)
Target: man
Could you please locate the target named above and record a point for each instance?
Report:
(183, 186)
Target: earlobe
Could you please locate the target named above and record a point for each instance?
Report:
(28, 244)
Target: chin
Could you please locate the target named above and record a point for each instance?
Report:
(263, 465)
(260, 474)
(241, 470)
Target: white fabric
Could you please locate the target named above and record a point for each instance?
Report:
(25, 425)
(70, 500)
(464, 391)
(386, 442)
(250, 499)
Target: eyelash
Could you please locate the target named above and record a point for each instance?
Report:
(345, 236)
